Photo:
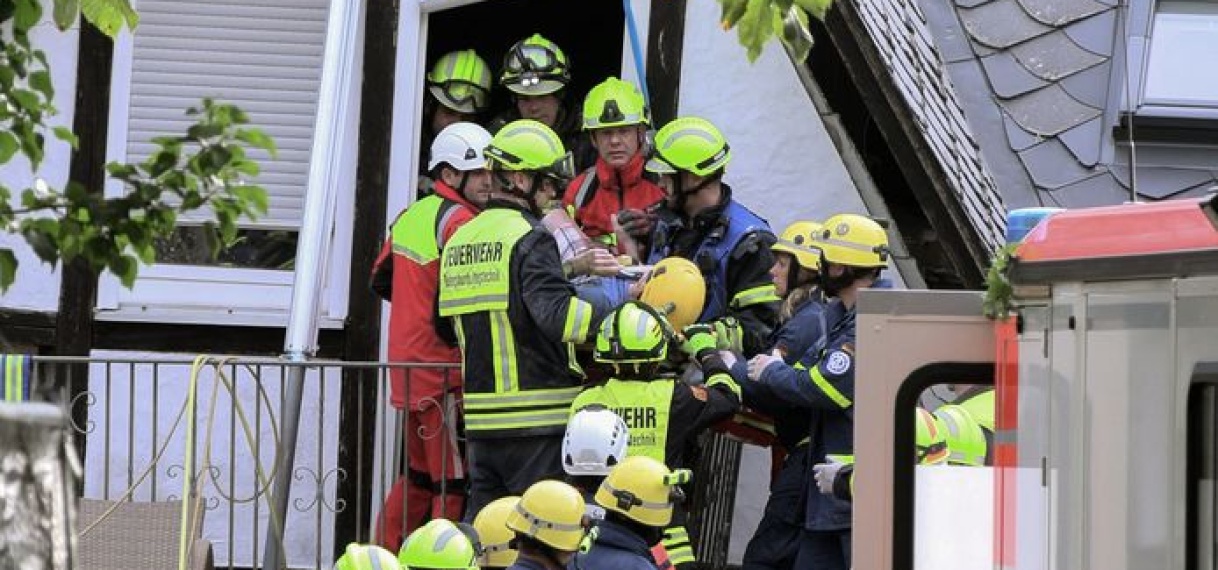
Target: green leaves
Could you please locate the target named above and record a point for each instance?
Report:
(757, 21)
(109, 15)
(205, 168)
(999, 292)
(8, 268)
(65, 12)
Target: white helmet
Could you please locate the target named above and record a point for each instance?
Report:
(460, 145)
(596, 441)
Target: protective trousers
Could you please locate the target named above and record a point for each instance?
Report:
(502, 466)
(824, 550)
(775, 544)
(434, 486)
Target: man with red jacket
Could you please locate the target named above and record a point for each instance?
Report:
(615, 116)
(407, 275)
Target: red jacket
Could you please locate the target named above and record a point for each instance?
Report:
(407, 273)
(612, 191)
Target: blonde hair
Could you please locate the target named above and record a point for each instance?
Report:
(795, 299)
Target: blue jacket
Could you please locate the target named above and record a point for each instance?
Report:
(796, 337)
(523, 564)
(731, 246)
(822, 383)
(615, 548)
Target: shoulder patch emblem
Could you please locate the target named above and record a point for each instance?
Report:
(838, 362)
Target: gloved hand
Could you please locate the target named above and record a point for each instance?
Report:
(759, 363)
(637, 223)
(699, 339)
(729, 334)
(593, 261)
(826, 473)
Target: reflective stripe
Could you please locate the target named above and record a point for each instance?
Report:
(648, 505)
(410, 254)
(827, 388)
(526, 398)
(848, 244)
(442, 224)
(503, 352)
(585, 187)
(515, 420)
(798, 247)
(535, 522)
(579, 320)
(452, 304)
(725, 379)
(759, 294)
(626, 119)
(16, 373)
(525, 128)
(676, 542)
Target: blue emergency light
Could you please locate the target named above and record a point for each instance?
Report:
(1022, 220)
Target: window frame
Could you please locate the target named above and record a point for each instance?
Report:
(225, 286)
(1139, 25)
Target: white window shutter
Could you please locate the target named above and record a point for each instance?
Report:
(265, 57)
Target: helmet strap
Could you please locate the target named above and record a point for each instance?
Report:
(461, 185)
(683, 194)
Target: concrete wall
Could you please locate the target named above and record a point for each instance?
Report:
(37, 286)
(784, 167)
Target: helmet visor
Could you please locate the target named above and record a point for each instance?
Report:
(531, 58)
(461, 96)
(562, 169)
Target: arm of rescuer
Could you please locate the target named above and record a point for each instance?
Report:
(549, 297)
(823, 380)
(443, 325)
(381, 281)
(695, 408)
(753, 302)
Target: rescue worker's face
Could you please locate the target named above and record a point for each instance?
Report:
(443, 117)
(780, 271)
(617, 145)
(543, 108)
(689, 205)
(478, 184)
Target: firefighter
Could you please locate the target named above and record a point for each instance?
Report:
(638, 497)
(967, 441)
(616, 119)
(775, 543)
(440, 544)
(701, 222)
(458, 90)
(537, 73)
(664, 415)
(366, 557)
(550, 526)
(835, 477)
(595, 441)
(854, 250)
(514, 315)
(495, 537)
(407, 273)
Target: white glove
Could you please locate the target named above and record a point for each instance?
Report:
(759, 363)
(825, 475)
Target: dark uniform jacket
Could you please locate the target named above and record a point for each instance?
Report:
(615, 548)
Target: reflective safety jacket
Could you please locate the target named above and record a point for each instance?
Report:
(406, 274)
(731, 246)
(822, 383)
(602, 191)
(664, 415)
(515, 315)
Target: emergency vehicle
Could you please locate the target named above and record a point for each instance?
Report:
(1106, 375)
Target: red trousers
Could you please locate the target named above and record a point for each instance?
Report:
(434, 485)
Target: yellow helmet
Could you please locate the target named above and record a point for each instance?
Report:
(676, 290)
(552, 513)
(633, 333)
(496, 537)
(854, 240)
(438, 545)
(929, 439)
(366, 557)
(797, 241)
(643, 490)
(966, 443)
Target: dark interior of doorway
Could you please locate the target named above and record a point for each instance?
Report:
(590, 32)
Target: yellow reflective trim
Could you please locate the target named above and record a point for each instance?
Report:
(515, 420)
(460, 332)
(726, 380)
(10, 379)
(755, 295)
(525, 398)
(474, 303)
(676, 542)
(503, 352)
(579, 320)
(827, 388)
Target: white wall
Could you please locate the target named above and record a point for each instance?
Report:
(784, 167)
(37, 286)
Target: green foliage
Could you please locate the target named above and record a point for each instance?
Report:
(204, 168)
(998, 289)
(757, 21)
